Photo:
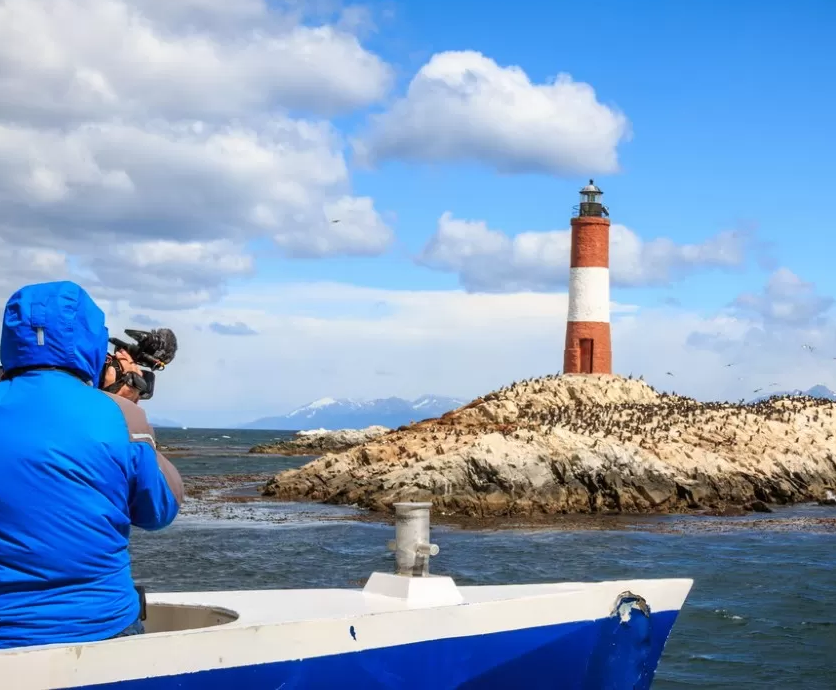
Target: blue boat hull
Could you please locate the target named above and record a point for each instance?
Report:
(609, 653)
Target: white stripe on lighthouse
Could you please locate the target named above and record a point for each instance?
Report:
(589, 294)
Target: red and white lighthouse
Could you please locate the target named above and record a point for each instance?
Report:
(588, 345)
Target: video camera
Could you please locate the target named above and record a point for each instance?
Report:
(152, 351)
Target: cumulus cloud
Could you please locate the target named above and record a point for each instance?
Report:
(490, 260)
(82, 59)
(144, 145)
(140, 320)
(237, 329)
(345, 226)
(165, 274)
(455, 343)
(214, 13)
(463, 106)
(193, 178)
(22, 264)
(783, 331)
(786, 299)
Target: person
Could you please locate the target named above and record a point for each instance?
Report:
(127, 365)
(78, 468)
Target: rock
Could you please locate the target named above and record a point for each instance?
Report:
(758, 506)
(174, 451)
(313, 442)
(585, 443)
(727, 511)
(829, 499)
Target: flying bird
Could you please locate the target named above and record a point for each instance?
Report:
(669, 373)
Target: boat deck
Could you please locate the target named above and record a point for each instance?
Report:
(254, 608)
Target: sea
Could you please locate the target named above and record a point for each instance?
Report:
(761, 614)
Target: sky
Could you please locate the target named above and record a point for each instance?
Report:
(365, 200)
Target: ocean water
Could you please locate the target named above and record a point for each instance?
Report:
(761, 614)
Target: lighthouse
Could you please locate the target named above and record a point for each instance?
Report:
(588, 345)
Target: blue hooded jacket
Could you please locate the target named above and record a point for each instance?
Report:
(78, 467)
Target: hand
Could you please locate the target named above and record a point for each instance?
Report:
(128, 365)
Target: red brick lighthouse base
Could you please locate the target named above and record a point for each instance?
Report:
(588, 345)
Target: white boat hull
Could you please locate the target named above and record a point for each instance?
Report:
(397, 633)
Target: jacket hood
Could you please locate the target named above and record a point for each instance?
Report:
(54, 324)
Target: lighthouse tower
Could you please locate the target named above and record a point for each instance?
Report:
(588, 346)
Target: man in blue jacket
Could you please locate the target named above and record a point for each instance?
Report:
(78, 467)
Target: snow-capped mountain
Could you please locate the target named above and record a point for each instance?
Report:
(436, 403)
(818, 391)
(333, 414)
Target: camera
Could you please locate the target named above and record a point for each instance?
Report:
(151, 351)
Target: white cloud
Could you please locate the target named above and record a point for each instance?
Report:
(147, 143)
(320, 339)
(345, 226)
(490, 260)
(216, 14)
(786, 299)
(237, 329)
(332, 339)
(167, 274)
(462, 106)
(29, 264)
(171, 180)
(63, 59)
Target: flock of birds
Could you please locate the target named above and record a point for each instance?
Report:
(670, 417)
(740, 379)
(806, 347)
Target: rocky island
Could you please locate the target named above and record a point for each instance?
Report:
(314, 442)
(585, 444)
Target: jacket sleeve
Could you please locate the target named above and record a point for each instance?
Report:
(156, 489)
(155, 496)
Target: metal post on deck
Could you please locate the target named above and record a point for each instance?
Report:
(412, 539)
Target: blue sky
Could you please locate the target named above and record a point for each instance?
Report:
(729, 105)
(183, 170)
(732, 128)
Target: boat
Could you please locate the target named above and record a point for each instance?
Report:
(408, 629)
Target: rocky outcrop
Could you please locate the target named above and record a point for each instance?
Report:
(586, 443)
(313, 442)
(829, 499)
